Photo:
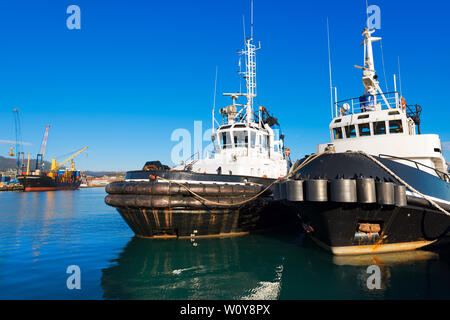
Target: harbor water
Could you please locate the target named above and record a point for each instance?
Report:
(43, 233)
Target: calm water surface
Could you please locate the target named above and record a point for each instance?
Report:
(41, 234)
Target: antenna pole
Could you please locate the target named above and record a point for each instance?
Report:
(243, 25)
(336, 100)
(251, 34)
(384, 70)
(395, 90)
(329, 69)
(400, 77)
(214, 103)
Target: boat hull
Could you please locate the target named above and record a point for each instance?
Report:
(45, 183)
(337, 226)
(157, 208)
(402, 228)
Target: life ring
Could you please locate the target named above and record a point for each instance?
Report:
(403, 104)
(287, 152)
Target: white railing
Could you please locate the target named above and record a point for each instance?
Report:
(393, 100)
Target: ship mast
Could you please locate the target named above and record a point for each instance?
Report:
(250, 75)
(249, 53)
(370, 82)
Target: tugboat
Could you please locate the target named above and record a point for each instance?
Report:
(378, 186)
(226, 194)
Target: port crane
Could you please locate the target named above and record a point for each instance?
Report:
(56, 166)
(18, 133)
(40, 155)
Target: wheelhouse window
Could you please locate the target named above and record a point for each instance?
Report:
(226, 140)
(350, 131)
(364, 129)
(395, 126)
(265, 143)
(337, 132)
(252, 139)
(240, 138)
(379, 127)
(216, 146)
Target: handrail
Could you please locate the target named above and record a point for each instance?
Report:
(376, 95)
(438, 172)
(191, 160)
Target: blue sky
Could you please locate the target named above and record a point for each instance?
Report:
(138, 70)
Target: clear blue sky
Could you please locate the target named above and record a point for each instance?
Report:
(138, 70)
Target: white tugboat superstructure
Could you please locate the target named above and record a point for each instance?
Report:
(245, 144)
(382, 124)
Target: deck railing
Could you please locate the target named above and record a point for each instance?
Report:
(444, 176)
(355, 106)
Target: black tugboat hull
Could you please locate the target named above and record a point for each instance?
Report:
(155, 208)
(336, 225)
(45, 183)
(188, 223)
(407, 228)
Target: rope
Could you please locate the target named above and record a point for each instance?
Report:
(303, 164)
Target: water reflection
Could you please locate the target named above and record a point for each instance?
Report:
(267, 267)
(404, 275)
(224, 268)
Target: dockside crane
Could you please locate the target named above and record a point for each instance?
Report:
(56, 166)
(40, 155)
(18, 132)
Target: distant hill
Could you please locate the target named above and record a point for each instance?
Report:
(10, 163)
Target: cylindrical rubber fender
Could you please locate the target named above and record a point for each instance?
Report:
(400, 195)
(283, 190)
(276, 191)
(316, 190)
(343, 190)
(294, 190)
(366, 192)
(158, 201)
(164, 188)
(385, 193)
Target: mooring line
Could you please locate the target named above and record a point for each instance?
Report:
(311, 158)
(303, 164)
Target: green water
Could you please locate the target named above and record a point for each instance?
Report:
(41, 234)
